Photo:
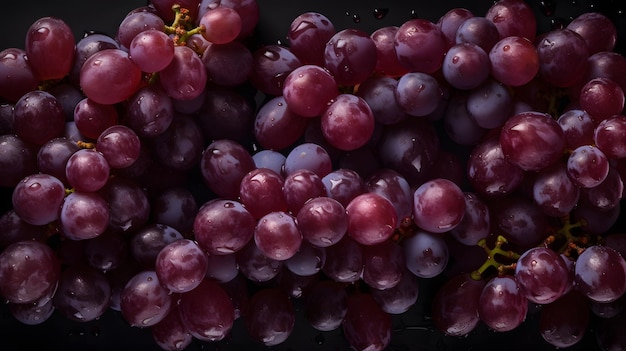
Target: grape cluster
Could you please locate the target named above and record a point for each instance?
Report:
(186, 176)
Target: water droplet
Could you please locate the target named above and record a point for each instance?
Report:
(229, 204)
(506, 48)
(547, 7)
(379, 13)
(356, 18)
(414, 14)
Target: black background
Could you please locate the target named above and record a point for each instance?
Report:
(412, 331)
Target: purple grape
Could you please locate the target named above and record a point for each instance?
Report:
(144, 302)
(502, 306)
(149, 111)
(366, 326)
(475, 224)
(564, 322)
(37, 198)
(181, 265)
(438, 205)
(274, 302)
(308, 156)
(38, 117)
(227, 65)
(426, 254)
(561, 52)
(371, 219)
(420, 45)
(387, 62)
(325, 305)
(271, 65)
(602, 98)
(344, 261)
(261, 192)
(152, 50)
(455, 305)
(542, 275)
(109, 76)
(276, 127)
(450, 21)
(587, 166)
(300, 187)
(379, 94)
(478, 30)
(578, 128)
(186, 76)
(322, 221)
(309, 89)
(601, 274)
(223, 226)
(383, 265)
(277, 235)
(21, 78)
(348, 122)
(597, 30)
(83, 293)
(466, 66)
(513, 18)
(18, 159)
(350, 56)
(207, 312)
(50, 48)
(223, 165)
(308, 34)
(84, 215)
(170, 333)
(343, 185)
(221, 25)
(255, 265)
(554, 192)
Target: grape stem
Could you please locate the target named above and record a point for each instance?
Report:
(182, 26)
(491, 257)
(85, 145)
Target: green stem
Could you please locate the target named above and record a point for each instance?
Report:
(491, 260)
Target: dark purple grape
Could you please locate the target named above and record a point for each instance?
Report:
(501, 305)
(144, 302)
(426, 254)
(322, 221)
(223, 226)
(18, 159)
(325, 304)
(181, 265)
(371, 219)
(601, 274)
(38, 117)
(308, 34)
(18, 76)
(269, 302)
(366, 326)
(438, 205)
(541, 275)
(50, 48)
(564, 322)
(455, 305)
(224, 163)
(513, 18)
(277, 235)
(350, 56)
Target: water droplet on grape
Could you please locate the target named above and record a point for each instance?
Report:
(506, 48)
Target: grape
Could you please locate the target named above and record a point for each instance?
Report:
(344, 261)
(478, 30)
(128, 204)
(271, 159)
(271, 65)
(181, 265)
(561, 52)
(119, 145)
(418, 93)
(387, 62)
(309, 89)
(343, 185)
(255, 265)
(348, 122)
(587, 166)
(32, 314)
(186, 76)
(438, 205)
(308, 261)
(175, 207)
(383, 265)
(607, 194)
(513, 18)
(602, 98)
(554, 192)
(420, 45)
(180, 145)
(226, 114)
(107, 251)
(399, 298)
(206, 311)
(350, 56)
(394, 187)
(221, 25)
(276, 126)
(109, 76)
(578, 128)
(21, 80)
(601, 274)
(308, 34)
(455, 305)
(83, 293)
(15, 229)
(223, 226)
(87, 46)
(563, 322)
(466, 66)
(150, 111)
(514, 60)
(460, 126)
(50, 48)
(371, 219)
(475, 224)
(608, 136)
(325, 305)
(223, 165)
(152, 50)
(426, 254)
(541, 275)
(308, 156)
(274, 302)
(450, 22)
(170, 333)
(87, 170)
(379, 94)
(38, 117)
(532, 140)
(322, 221)
(597, 30)
(261, 192)
(144, 302)
(502, 305)
(520, 220)
(366, 326)
(228, 64)
(300, 187)
(146, 243)
(37, 198)
(277, 235)
(29, 270)
(84, 215)
(18, 159)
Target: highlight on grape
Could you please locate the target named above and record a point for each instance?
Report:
(464, 175)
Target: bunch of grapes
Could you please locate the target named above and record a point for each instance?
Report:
(186, 177)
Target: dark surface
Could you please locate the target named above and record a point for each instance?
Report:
(412, 331)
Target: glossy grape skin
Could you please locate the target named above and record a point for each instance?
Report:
(299, 85)
(136, 22)
(420, 45)
(466, 66)
(308, 34)
(84, 215)
(438, 205)
(587, 166)
(348, 122)
(426, 254)
(119, 145)
(350, 56)
(271, 65)
(383, 265)
(450, 21)
(206, 311)
(22, 78)
(325, 305)
(276, 127)
(277, 235)
(309, 156)
(255, 265)
(608, 136)
(144, 302)
(300, 187)
(53, 155)
(532, 140)
(181, 265)
(152, 50)
(224, 163)
(600, 274)
(502, 306)
(170, 333)
(223, 226)
(38, 117)
(563, 323)
(514, 61)
(418, 93)
(149, 112)
(186, 76)
(366, 326)
(475, 224)
(541, 275)
(478, 30)
(29, 270)
(513, 18)
(455, 305)
(83, 294)
(578, 128)
(343, 185)
(227, 65)
(261, 192)
(18, 160)
(128, 204)
(554, 191)
(37, 198)
(274, 302)
(109, 76)
(221, 25)
(50, 48)
(371, 219)
(387, 62)
(344, 261)
(561, 52)
(602, 98)
(322, 221)
(597, 30)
